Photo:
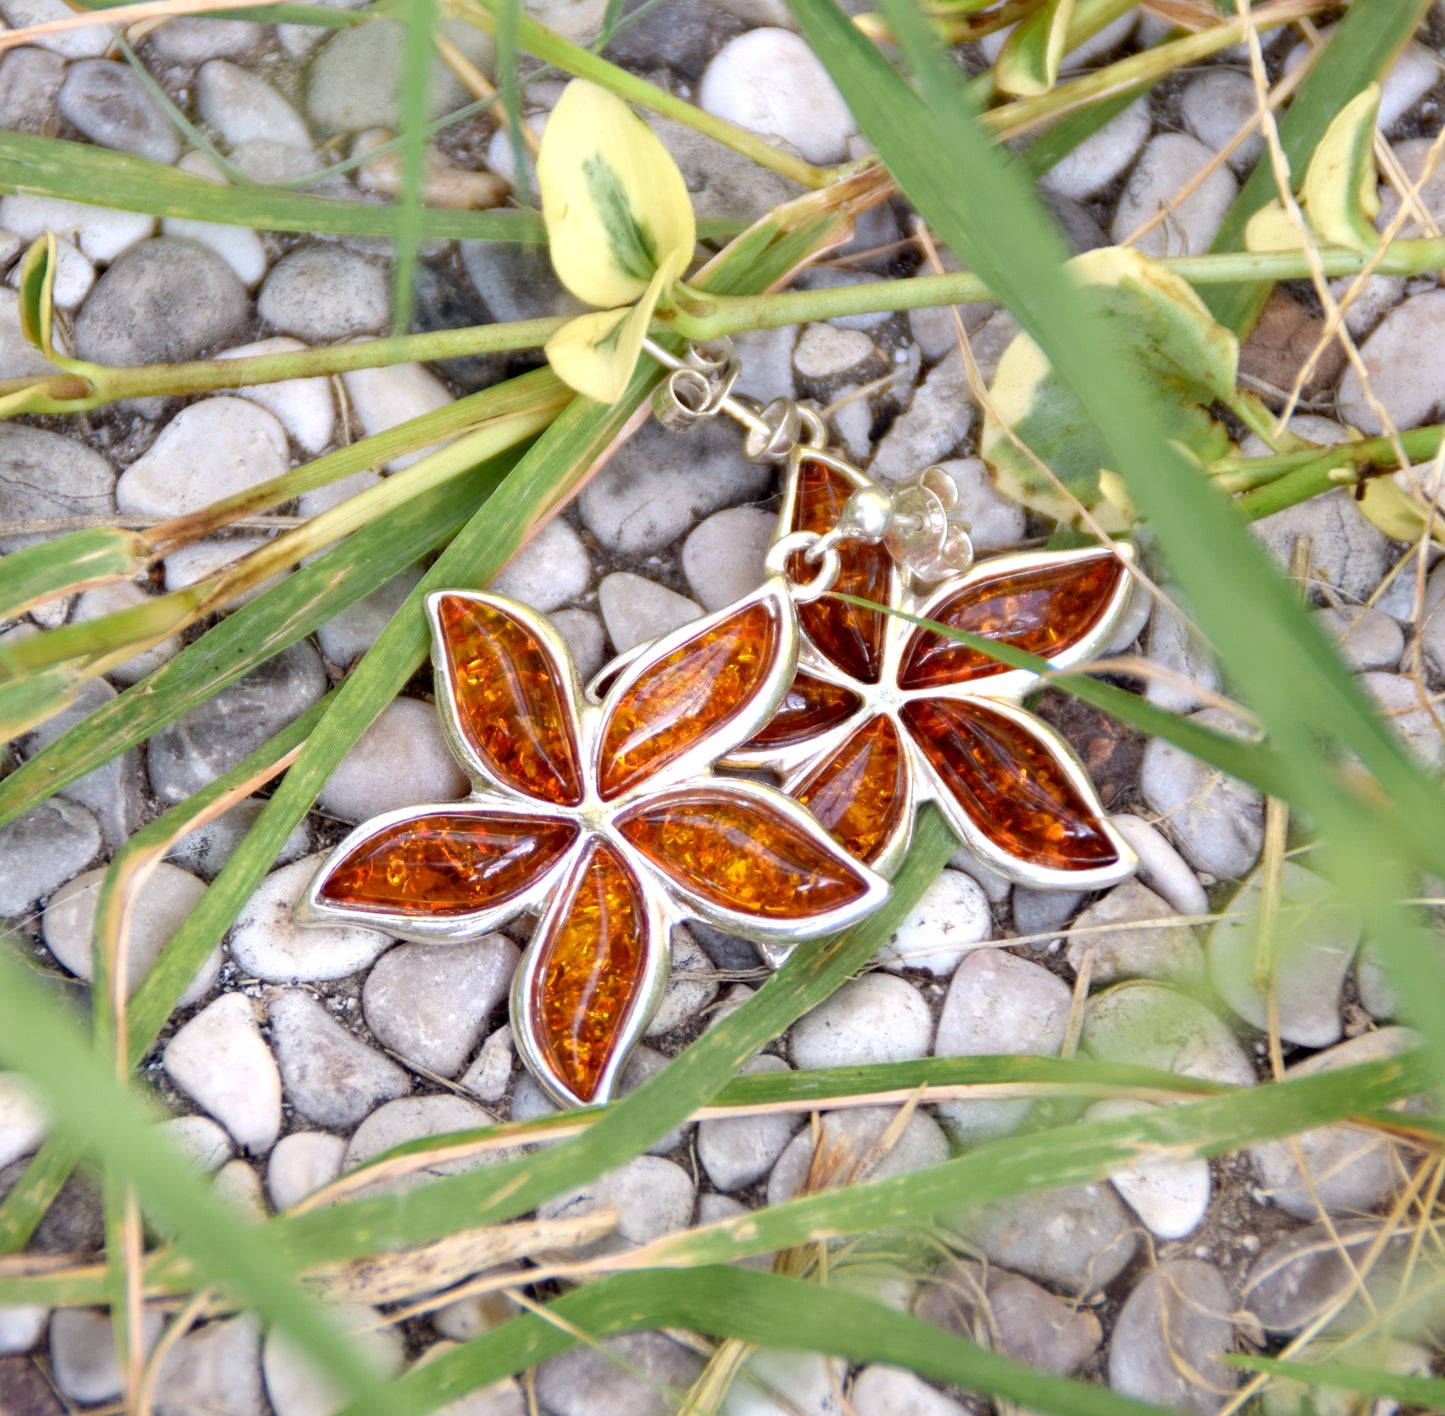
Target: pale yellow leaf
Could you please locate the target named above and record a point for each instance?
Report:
(1341, 190)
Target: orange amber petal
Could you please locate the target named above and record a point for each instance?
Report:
(812, 706)
(686, 695)
(591, 961)
(448, 864)
(1009, 785)
(858, 794)
(510, 704)
(852, 638)
(1045, 609)
(729, 850)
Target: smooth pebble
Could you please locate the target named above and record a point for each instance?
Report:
(300, 1164)
(1102, 156)
(1130, 933)
(306, 408)
(853, 1138)
(1155, 1025)
(242, 107)
(738, 1151)
(23, 1118)
(636, 609)
(42, 849)
(1169, 163)
(383, 398)
(875, 1018)
(1171, 1197)
(551, 569)
(402, 759)
(723, 557)
(652, 1197)
(952, 917)
(1161, 867)
(324, 294)
(220, 1061)
(109, 104)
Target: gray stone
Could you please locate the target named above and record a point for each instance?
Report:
(215, 735)
(824, 351)
(490, 1073)
(82, 1352)
(1187, 671)
(101, 601)
(737, 1151)
(1161, 867)
(45, 475)
(215, 1370)
(938, 419)
(775, 1380)
(1308, 1273)
(880, 1390)
(952, 918)
(415, 1118)
(402, 759)
(637, 1374)
(331, 1076)
(221, 1062)
(383, 398)
(499, 1398)
(324, 294)
(300, 1164)
(19, 359)
(1031, 1324)
(723, 557)
(348, 635)
(1408, 709)
(551, 569)
(1102, 156)
(636, 609)
(43, 849)
(1169, 1336)
(269, 943)
(1218, 820)
(852, 1138)
(1171, 1197)
(1215, 105)
(431, 1002)
(994, 522)
(242, 107)
(30, 79)
(189, 40)
(1368, 639)
(691, 986)
(1346, 551)
(202, 1141)
(108, 103)
(516, 282)
(998, 1004)
(1168, 164)
(1038, 913)
(206, 849)
(21, 1328)
(875, 1018)
(1078, 1239)
(1120, 932)
(163, 301)
(84, 43)
(652, 1197)
(1154, 1025)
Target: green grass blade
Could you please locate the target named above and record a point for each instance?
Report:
(420, 21)
(72, 562)
(1426, 1392)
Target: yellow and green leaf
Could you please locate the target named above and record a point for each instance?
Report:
(1341, 190)
(1029, 62)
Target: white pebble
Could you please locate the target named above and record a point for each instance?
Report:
(952, 917)
(323, 294)
(305, 407)
(243, 107)
(1215, 106)
(1399, 357)
(824, 351)
(383, 398)
(1170, 1197)
(238, 1187)
(297, 1387)
(102, 600)
(23, 1119)
(239, 246)
(551, 569)
(1102, 156)
(74, 275)
(876, 1018)
(202, 1141)
(102, 233)
(89, 42)
(202, 559)
(652, 1197)
(300, 1164)
(1161, 867)
(723, 558)
(995, 523)
(221, 1062)
(636, 609)
(1168, 164)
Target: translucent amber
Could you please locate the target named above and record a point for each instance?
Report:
(736, 854)
(1009, 785)
(811, 707)
(851, 637)
(589, 971)
(511, 708)
(858, 793)
(1044, 610)
(686, 696)
(451, 863)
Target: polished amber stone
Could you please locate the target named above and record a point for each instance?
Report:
(590, 969)
(509, 701)
(737, 854)
(812, 706)
(1009, 785)
(1044, 610)
(686, 696)
(858, 793)
(851, 637)
(447, 864)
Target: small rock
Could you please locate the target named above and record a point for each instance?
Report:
(1102, 156)
(1414, 74)
(170, 895)
(1215, 105)
(221, 1062)
(324, 294)
(383, 398)
(998, 1004)
(1079, 1239)
(1367, 638)
(331, 1076)
(652, 1197)
(206, 849)
(723, 558)
(163, 301)
(1037, 913)
(23, 1118)
(1218, 820)
(300, 1164)
(415, 1118)
(690, 986)
(242, 107)
(490, 1074)
(87, 43)
(269, 944)
(875, 1018)
(1118, 930)
(465, 1318)
(1161, 867)
(1171, 1197)
(202, 559)
(45, 475)
(21, 1328)
(297, 1387)
(431, 1003)
(631, 1375)
(1168, 164)
(215, 1369)
(737, 1151)
(938, 419)
(994, 886)
(824, 351)
(205, 1144)
(1352, 1169)
(779, 1382)
(304, 407)
(1314, 941)
(402, 759)
(102, 600)
(19, 359)
(348, 635)
(238, 1187)
(188, 40)
(1302, 1277)
(895, 1391)
(952, 917)
(649, 494)
(240, 247)
(636, 609)
(1032, 1325)
(851, 1143)
(1153, 1025)
(551, 569)
(994, 522)
(103, 234)
(108, 103)
(770, 82)
(1169, 1336)
(1188, 673)
(1404, 377)
(1410, 712)
(1346, 551)
(43, 849)
(82, 1352)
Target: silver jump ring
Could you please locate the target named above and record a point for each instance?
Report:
(821, 583)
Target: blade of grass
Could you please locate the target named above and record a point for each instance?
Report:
(420, 20)
(1426, 1392)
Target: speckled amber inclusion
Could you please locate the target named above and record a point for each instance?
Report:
(1043, 610)
(1009, 786)
(851, 637)
(450, 863)
(739, 856)
(589, 972)
(511, 709)
(812, 706)
(684, 697)
(858, 793)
